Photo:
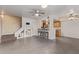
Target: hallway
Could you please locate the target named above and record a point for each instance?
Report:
(36, 45)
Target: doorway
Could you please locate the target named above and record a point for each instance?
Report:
(57, 26)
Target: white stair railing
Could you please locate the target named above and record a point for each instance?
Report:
(20, 33)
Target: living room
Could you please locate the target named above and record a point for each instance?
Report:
(39, 29)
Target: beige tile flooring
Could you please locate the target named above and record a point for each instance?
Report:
(37, 45)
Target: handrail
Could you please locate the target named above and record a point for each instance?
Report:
(18, 32)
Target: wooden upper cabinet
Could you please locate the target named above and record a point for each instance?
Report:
(44, 24)
(57, 24)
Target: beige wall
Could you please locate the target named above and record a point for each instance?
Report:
(0, 28)
(70, 28)
(10, 24)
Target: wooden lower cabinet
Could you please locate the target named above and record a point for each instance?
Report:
(58, 33)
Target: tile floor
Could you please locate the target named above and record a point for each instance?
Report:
(37, 45)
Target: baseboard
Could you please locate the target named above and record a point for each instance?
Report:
(69, 37)
(9, 34)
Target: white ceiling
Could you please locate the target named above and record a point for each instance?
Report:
(23, 10)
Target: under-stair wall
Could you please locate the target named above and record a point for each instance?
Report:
(31, 27)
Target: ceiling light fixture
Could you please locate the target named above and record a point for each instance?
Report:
(43, 6)
(36, 14)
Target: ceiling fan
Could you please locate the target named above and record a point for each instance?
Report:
(37, 12)
(71, 15)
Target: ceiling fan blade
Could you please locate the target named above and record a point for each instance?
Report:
(42, 13)
(32, 12)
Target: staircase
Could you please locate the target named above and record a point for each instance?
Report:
(8, 38)
(20, 33)
(12, 37)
